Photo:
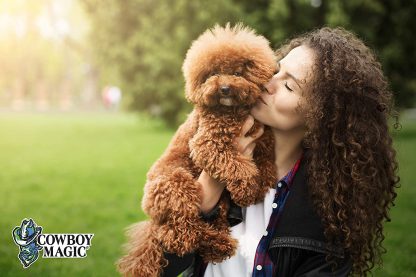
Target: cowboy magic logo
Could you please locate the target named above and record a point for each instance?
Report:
(28, 236)
(25, 237)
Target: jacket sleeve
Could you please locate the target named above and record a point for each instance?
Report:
(234, 213)
(296, 262)
(177, 265)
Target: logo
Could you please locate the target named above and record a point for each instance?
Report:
(28, 236)
(25, 237)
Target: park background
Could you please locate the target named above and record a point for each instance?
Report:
(75, 159)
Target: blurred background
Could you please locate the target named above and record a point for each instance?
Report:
(91, 93)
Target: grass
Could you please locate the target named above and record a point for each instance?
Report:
(74, 174)
(84, 173)
(400, 233)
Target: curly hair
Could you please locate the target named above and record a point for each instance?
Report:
(352, 167)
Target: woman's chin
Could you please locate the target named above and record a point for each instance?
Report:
(256, 108)
(258, 115)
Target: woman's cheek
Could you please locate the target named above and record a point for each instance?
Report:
(286, 116)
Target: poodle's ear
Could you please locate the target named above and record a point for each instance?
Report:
(190, 94)
(189, 97)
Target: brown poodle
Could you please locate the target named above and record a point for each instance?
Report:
(225, 70)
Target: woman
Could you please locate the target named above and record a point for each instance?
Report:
(328, 107)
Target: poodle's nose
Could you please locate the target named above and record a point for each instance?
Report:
(225, 90)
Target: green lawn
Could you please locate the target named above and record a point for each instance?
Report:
(84, 173)
(74, 174)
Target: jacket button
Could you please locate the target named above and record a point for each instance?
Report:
(279, 184)
(274, 205)
(259, 267)
(265, 233)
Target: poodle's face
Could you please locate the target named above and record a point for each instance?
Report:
(228, 67)
(230, 81)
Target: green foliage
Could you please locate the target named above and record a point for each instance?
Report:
(385, 26)
(143, 42)
(38, 60)
(146, 41)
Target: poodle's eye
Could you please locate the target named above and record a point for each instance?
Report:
(209, 75)
(237, 73)
(249, 64)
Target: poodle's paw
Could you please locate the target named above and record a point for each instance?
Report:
(178, 239)
(199, 149)
(227, 168)
(240, 168)
(221, 160)
(218, 249)
(245, 192)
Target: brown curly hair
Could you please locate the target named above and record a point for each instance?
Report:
(352, 167)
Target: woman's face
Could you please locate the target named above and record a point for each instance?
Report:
(287, 90)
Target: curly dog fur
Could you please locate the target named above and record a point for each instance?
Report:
(225, 70)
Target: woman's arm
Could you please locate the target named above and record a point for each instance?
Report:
(176, 264)
(212, 190)
(291, 261)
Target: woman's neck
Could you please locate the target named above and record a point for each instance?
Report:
(287, 149)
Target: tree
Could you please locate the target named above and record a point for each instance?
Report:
(386, 26)
(146, 42)
(142, 43)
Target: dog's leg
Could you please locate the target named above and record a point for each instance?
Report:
(170, 192)
(217, 154)
(182, 234)
(264, 157)
(253, 190)
(176, 195)
(244, 192)
(216, 241)
(170, 185)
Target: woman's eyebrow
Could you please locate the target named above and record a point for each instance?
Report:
(297, 81)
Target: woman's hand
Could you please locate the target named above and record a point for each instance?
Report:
(211, 188)
(246, 145)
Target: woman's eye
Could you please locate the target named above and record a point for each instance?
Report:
(288, 87)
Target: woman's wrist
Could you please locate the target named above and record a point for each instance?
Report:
(211, 191)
